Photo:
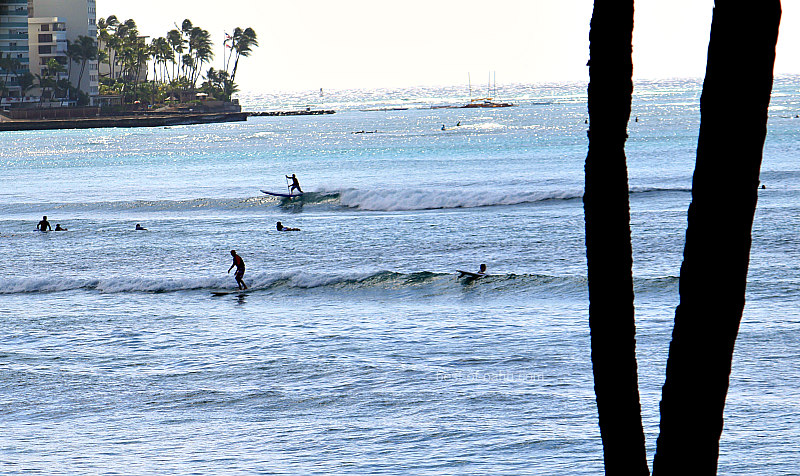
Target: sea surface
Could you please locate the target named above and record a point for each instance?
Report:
(356, 349)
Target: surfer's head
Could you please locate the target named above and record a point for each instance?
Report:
(44, 217)
(279, 226)
(483, 267)
(233, 252)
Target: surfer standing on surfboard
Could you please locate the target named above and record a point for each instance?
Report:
(239, 263)
(295, 184)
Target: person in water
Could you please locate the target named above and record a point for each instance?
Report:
(43, 225)
(295, 184)
(280, 227)
(239, 263)
(58, 227)
(482, 270)
(140, 227)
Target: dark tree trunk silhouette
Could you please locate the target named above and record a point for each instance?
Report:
(608, 240)
(734, 104)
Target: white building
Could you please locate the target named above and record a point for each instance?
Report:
(47, 39)
(79, 19)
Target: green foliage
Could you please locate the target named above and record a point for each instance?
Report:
(175, 61)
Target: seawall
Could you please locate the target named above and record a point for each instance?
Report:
(154, 120)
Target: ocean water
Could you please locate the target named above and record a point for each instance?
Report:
(356, 349)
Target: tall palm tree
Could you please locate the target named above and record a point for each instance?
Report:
(741, 56)
(242, 43)
(200, 49)
(176, 42)
(608, 240)
(87, 51)
(106, 28)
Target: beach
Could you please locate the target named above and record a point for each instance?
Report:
(356, 349)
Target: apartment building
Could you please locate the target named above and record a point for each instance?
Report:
(14, 43)
(47, 39)
(72, 18)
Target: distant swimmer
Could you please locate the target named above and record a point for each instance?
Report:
(458, 124)
(295, 184)
(140, 227)
(58, 228)
(444, 128)
(44, 225)
(239, 263)
(280, 227)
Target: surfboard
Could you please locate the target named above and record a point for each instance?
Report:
(468, 274)
(226, 293)
(284, 195)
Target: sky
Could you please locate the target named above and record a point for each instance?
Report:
(344, 44)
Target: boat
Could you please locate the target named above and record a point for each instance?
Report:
(487, 101)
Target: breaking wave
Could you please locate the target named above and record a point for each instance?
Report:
(427, 282)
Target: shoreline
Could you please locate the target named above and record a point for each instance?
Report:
(149, 120)
(121, 121)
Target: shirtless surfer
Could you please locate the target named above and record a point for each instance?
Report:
(44, 225)
(295, 184)
(239, 263)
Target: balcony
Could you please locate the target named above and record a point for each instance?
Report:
(16, 12)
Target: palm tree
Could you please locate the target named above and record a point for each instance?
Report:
(9, 65)
(242, 43)
(741, 56)
(176, 42)
(87, 48)
(608, 240)
(25, 81)
(105, 28)
(200, 45)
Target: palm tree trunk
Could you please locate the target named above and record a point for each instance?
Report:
(734, 104)
(608, 240)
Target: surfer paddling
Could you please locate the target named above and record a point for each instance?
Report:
(280, 227)
(481, 273)
(295, 184)
(239, 263)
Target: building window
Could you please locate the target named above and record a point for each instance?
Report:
(45, 38)
(45, 28)
(45, 49)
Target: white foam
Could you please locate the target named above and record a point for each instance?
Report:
(395, 200)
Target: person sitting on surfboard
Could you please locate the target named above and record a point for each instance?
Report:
(140, 227)
(58, 227)
(280, 227)
(44, 225)
(295, 184)
(239, 263)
